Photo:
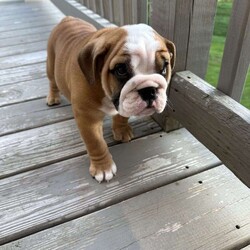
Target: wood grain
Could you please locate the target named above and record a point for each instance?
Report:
(5, 42)
(236, 57)
(219, 122)
(23, 73)
(23, 91)
(38, 199)
(16, 25)
(183, 215)
(27, 115)
(72, 8)
(41, 146)
(23, 59)
(200, 36)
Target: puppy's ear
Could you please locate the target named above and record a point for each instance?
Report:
(91, 60)
(171, 47)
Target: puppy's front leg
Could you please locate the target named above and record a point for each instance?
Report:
(121, 129)
(102, 166)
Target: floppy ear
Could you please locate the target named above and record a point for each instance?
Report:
(91, 60)
(171, 47)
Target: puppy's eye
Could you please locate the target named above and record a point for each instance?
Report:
(164, 69)
(121, 70)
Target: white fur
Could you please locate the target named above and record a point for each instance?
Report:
(131, 104)
(107, 174)
(141, 45)
(108, 107)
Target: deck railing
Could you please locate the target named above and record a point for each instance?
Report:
(217, 120)
(120, 12)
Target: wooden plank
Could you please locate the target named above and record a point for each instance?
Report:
(72, 8)
(172, 20)
(163, 11)
(200, 36)
(219, 122)
(11, 9)
(23, 39)
(92, 5)
(16, 25)
(30, 19)
(18, 15)
(183, 22)
(108, 10)
(32, 114)
(99, 7)
(22, 73)
(23, 91)
(126, 11)
(39, 199)
(236, 57)
(186, 214)
(23, 48)
(25, 32)
(53, 143)
(118, 12)
(142, 11)
(23, 59)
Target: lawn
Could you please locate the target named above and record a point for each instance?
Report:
(216, 51)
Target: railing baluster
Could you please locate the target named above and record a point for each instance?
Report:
(236, 55)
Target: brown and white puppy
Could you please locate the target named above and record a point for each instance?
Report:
(120, 71)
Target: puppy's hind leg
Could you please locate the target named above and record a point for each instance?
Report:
(53, 97)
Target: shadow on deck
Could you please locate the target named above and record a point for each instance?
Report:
(170, 191)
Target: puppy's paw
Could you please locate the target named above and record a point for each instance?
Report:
(123, 133)
(103, 175)
(53, 100)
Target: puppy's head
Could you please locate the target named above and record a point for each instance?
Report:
(133, 64)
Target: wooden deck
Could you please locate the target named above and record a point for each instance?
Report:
(170, 191)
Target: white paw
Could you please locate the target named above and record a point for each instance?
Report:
(106, 175)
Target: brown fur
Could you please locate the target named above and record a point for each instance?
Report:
(78, 64)
(66, 63)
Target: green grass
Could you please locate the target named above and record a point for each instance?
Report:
(224, 8)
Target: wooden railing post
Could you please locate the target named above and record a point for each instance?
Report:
(189, 24)
(236, 55)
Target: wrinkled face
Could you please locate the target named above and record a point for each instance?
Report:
(135, 64)
(142, 72)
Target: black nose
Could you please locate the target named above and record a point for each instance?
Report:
(148, 94)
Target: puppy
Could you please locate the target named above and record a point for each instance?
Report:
(121, 71)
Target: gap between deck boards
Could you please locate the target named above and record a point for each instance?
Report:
(64, 191)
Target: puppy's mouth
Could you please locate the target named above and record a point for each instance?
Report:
(142, 95)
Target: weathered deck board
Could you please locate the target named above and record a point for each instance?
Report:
(14, 15)
(44, 179)
(25, 39)
(41, 146)
(23, 48)
(24, 32)
(182, 215)
(23, 59)
(41, 198)
(31, 23)
(23, 73)
(23, 91)
(32, 114)
(19, 7)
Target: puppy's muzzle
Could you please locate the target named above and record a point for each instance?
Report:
(148, 95)
(143, 95)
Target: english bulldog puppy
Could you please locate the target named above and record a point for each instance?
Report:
(118, 71)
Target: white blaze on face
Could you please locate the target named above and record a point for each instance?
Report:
(141, 44)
